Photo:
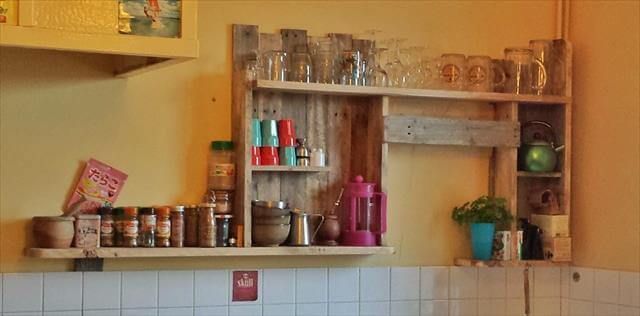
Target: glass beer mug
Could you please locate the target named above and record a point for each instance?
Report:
(518, 67)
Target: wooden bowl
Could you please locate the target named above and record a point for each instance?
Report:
(53, 231)
(270, 235)
(272, 220)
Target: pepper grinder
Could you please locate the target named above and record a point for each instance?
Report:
(302, 152)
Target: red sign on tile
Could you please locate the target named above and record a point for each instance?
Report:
(245, 286)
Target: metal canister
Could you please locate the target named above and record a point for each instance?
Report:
(206, 225)
(191, 226)
(223, 228)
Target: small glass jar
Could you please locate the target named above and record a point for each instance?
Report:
(191, 226)
(130, 227)
(223, 202)
(177, 226)
(119, 221)
(163, 227)
(222, 166)
(206, 225)
(223, 227)
(147, 233)
(87, 235)
(107, 227)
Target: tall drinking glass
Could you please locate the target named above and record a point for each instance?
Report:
(276, 65)
(519, 64)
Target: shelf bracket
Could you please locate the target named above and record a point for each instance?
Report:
(88, 264)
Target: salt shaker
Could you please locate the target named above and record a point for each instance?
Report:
(317, 157)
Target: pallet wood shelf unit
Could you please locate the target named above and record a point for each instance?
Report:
(507, 263)
(289, 169)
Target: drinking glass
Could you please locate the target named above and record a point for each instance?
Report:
(352, 63)
(519, 64)
(301, 67)
(398, 76)
(554, 66)
(375, 75)
(452, 71)
(324, 67)
(276, 65)
(479, 74)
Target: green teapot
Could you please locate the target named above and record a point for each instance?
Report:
(539, 154)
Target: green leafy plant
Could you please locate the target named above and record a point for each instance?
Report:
(485, 209)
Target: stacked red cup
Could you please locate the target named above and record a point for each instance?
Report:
(287, 139)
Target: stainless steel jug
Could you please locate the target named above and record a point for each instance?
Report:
(301, 228)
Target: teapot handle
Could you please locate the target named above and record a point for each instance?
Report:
(540, 85)
(545, 124)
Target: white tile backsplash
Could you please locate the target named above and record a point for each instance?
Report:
(604, 309)
(101, 290)
(63, 313)
(62, 291)
(405, 284)
(492, 283)
(140, 312)
(583, 288)
(374, 284)
(101, 312)
(280, 285)
(278, 309)
(580, 308)
(546, 282)
(175, 288)
(311, 285)
(22, 314)
(629, 289)
(628, 311)
(606, 286)
(211, 311)
(492, 307)
(312, 309)
(245, 310)
(468, 307)
(374, 309)
(344, 284)
(344, 309)
(175, 311)
(546, 306)
(515, 306)
(434, 307)
(404, 308)
(463, 282)
(139, 289)
(434, 283)
(22, 292)
(515, 282)
(211, 287)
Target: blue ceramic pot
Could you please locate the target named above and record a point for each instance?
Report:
(482, 240)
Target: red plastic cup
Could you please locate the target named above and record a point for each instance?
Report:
(269, 156)
(255, 155)
(286, 133)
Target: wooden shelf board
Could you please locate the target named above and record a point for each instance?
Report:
(288, 169)
(509, 263)
(337, 89)
(77, 253)
(539, 174)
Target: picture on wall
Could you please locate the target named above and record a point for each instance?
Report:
(150, 17)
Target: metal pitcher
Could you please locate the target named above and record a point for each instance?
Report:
(301, 228)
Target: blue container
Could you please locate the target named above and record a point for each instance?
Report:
(287, 156)
(256, 133)
(482, 240)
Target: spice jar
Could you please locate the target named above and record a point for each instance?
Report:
(223, 225)
(222, 166)
(107, 226)
(87, 234)
(147, 217)
(223, 202)
(191, 226)
(177, 226)
(118, 219)
(130, 227)
(206, 225)
(163, 226)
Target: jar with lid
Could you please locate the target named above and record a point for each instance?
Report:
(107, 227)
(163, 226)
(206, 225)
(87, 234)
(177, 226)
(147, 233)
(130, 227)
(222, 166)
(118, 219)
(191, 226)
(223, 202)
(223, 226)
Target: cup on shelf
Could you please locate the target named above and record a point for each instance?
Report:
(255, 156)
(270, 133)
(478, 76)
(452, 71)
(286, 133)
(256, 133)
(317, 158)
(288, 156)
(269, 156)
(277, 65)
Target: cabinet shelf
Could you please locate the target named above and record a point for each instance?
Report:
(508, 263)
(527, 174)
(289, 169)
(108, 252)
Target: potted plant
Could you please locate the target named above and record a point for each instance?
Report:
(482, 215)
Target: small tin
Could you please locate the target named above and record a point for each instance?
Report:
(502, 245)
(87, 231)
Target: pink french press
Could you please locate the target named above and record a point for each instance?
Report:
(365, 214)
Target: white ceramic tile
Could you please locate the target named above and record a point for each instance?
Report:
(434, 283)
(175, 311)
(546, 306)
(211, 287)
(343, 309)
(492, 283)
(312, 309)
(628, 311)
(463, 283)
(279, 286)
(62, 291)
(374, 284)
(564, 307)
(405, 283)
(515, 306)
(101, 290)
(492, 306)
(278, 309)
(101, 312)
(546, 282)
(565, 281)
(580, 308)
(175, 289)
(140, 312)
(311, 285)
(63, 313)
(344, 285)
(374, 308)
(629, 289)
(606, 286)
(434, 308)
(404, 308)
(211, 311)
(0, 293)
(604, 309)
(245, 310)
(22, 292)
(463, 307)
(23, 314)
(139, 289)
(515, 282)
(583, 288)
(256, 302)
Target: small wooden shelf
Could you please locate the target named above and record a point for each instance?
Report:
(336, 89)
(289, 169)
(509, 263)
(527, 174)
(77, 253)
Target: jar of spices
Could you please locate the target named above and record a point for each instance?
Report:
(87, 233)
(163, 228)
(118, 219)
(206, 225)
(223, 226)
(223, 202)
(177, 226)
(147, 235)
(107, 226)
(191, 226)
(130, 227)
(222, 166)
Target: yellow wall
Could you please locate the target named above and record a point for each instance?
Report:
(61, 108)
(606, 165)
